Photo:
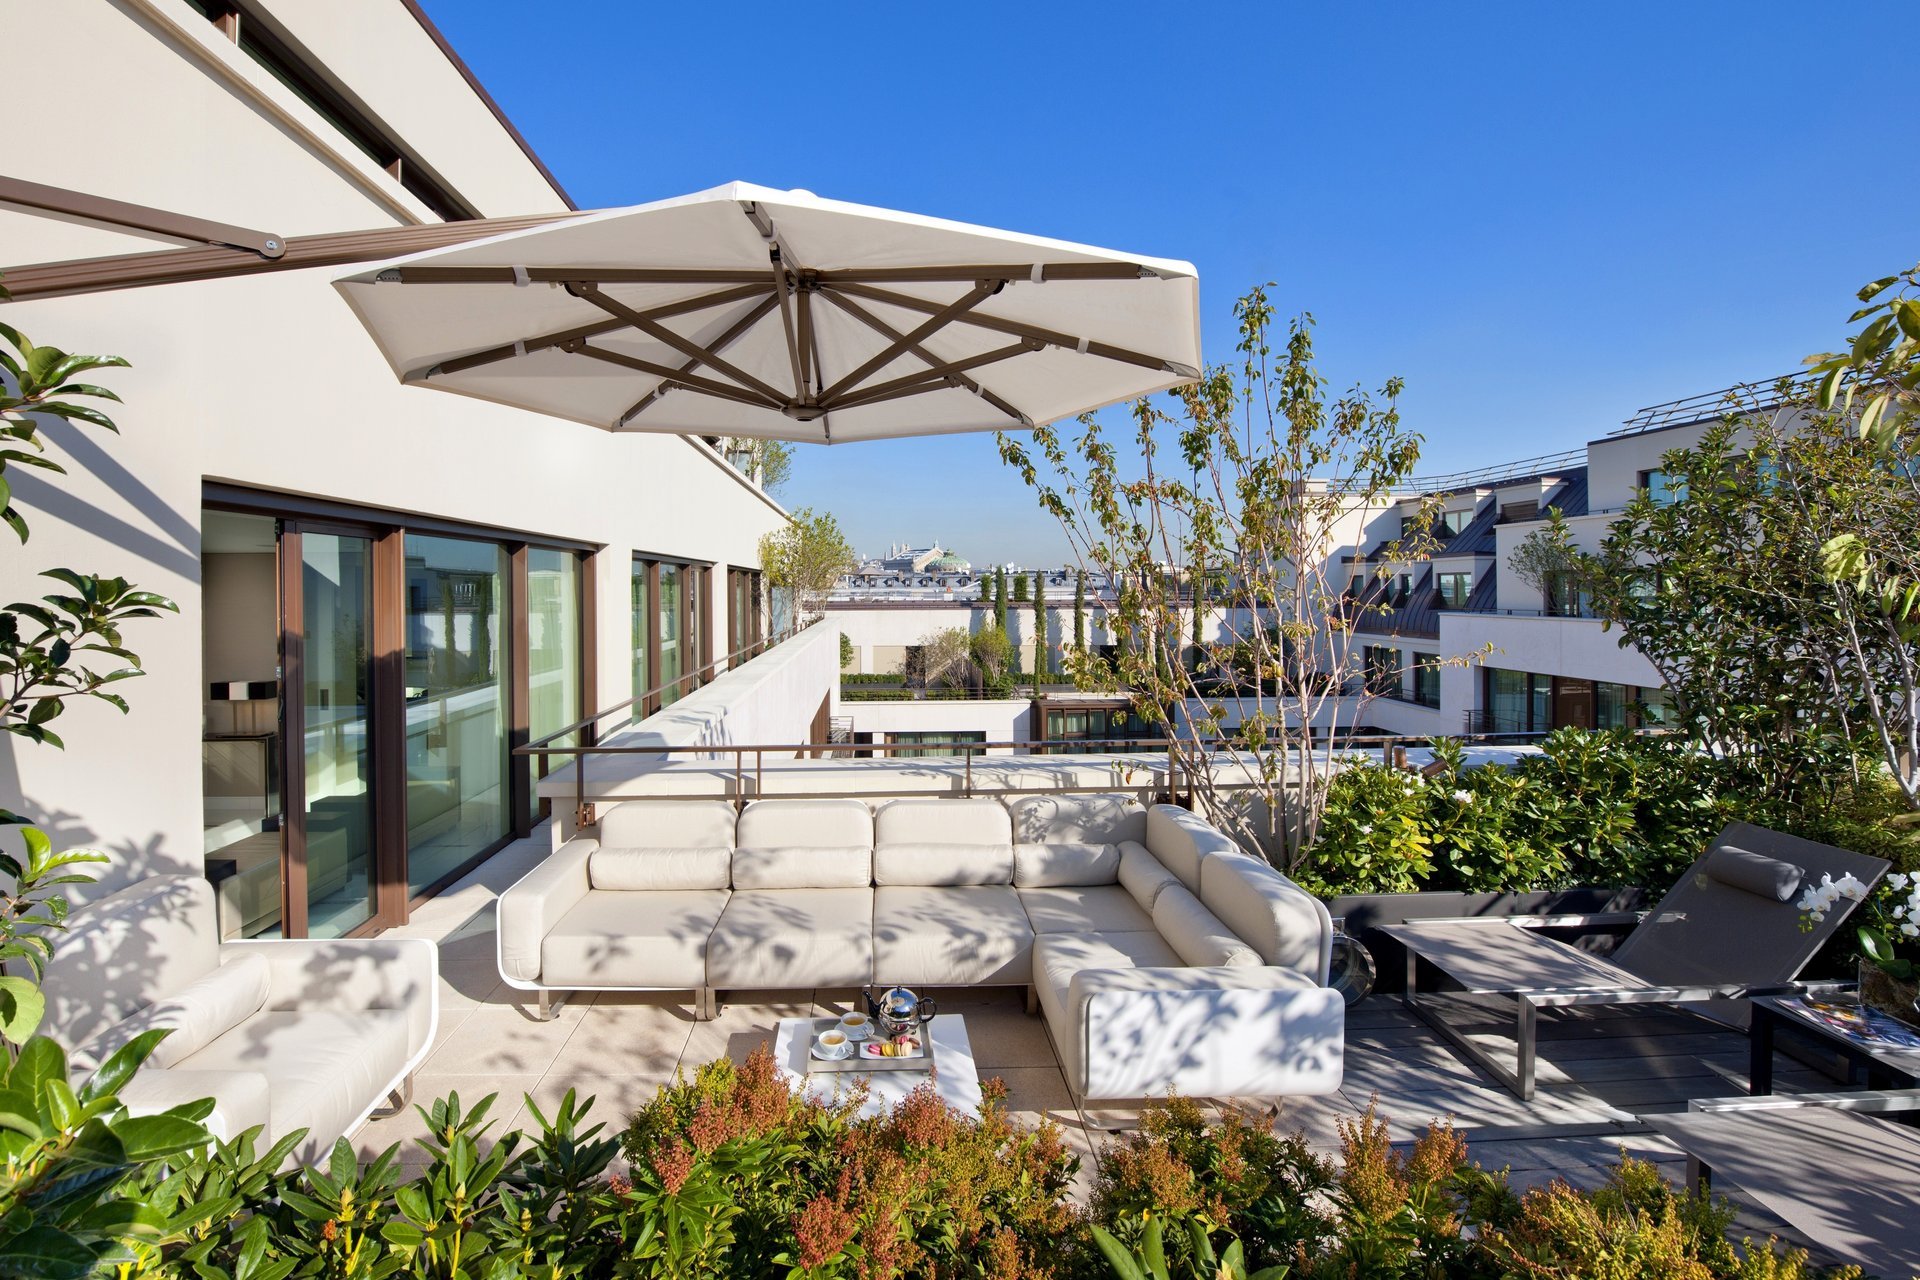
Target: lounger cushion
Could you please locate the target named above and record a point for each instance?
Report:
(925, 934)
(621, 939)
(1077, 819)
(797, 938)
(1197, 934)
(638, 870)
(1058, 956)
(803, 867)
(937, 820)
(1142, 874)
(193, 1017)
(777, 823)
(936, 863)
(1756, 873)
(1063, 865)
(1085, 909)
(321, 1067)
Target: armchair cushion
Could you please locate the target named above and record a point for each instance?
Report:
(1077, 819)
(126, 951)
(1058, 956)
(1180, 840)
(805, 823)
(938, 820)
(193, 1017)
(974, 934)
(1065, 865)
(241, 1099)
(1284, 923)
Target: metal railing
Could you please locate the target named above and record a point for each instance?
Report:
(1180, 757)
(1741, 397)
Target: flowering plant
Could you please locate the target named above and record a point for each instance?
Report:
(1889, 922)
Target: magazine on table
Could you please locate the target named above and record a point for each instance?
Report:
(1860, 1022)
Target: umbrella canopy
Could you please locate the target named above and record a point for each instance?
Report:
(747, 311)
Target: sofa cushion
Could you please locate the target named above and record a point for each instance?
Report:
(803, 867)
(1276, 917)
(123, 952)
(942, 864)
(1143, 875)
(324, 1069)
(1064, 865)
(1103, 908)
(1180, 839)
(1197, 934)
(937, 820)
(776, 824)
(667, 824)
(621, 939)
(1077, 819)
(946, 936)
(194, 1016)
(1058, 956)
(800, 938)
(648, 870)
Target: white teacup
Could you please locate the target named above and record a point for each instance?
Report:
(833, 1043)
(857, 1026)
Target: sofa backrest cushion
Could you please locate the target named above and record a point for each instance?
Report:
(1061, 865)
(667, 824)
(1197, 934)
(1287, 925)
(125, 951)
(803, 824)
(1143, 875)
(1181, 839)
(643, 870)
(942, 863)
(803, 867)
(935, 820)
(194, 1016)
(1077, 819)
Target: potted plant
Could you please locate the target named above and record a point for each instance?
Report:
(1888, 928)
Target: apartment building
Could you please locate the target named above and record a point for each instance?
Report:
(382, 590)
(1464, 644)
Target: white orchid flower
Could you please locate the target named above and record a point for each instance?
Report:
(1910, 930)
(1898, 880)
(1850, 886)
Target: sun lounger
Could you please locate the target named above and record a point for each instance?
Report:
(1730, 928)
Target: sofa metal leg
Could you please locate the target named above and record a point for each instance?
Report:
(550, 1003)
(706, 1004)
(395, 1103)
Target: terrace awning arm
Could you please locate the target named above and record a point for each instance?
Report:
(138, 217)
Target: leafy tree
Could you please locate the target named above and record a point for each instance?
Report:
(992, 653)
(1545, 554)
(806, 558)
(946, 657)
(769, 462)
(846, 651)
(1282, 476)
(1020, 589)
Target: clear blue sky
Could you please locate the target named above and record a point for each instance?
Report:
(1543, 216)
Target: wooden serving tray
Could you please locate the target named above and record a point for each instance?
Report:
(854, 1062)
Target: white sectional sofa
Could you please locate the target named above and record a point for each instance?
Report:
(288, 1034)
(1162, 956)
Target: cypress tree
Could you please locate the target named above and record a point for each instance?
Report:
(1000, 600)
(1080, 610)
(1043, 649)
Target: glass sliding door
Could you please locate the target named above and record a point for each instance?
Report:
(336, 589)
(672, 633)
(642, 633)
(458, 801)
(553, 648)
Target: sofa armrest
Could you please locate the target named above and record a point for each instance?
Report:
(349, 975)
(527, 912)
(1212, 1032)
(240, 1098)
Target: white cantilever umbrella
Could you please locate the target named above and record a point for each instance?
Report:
(747, 311)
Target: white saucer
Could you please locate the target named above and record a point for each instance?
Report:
(846, 1052)
(855, 1036)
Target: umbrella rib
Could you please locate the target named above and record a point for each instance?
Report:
(1052, 337)
(569, 275)
(721, 343)
(1037, 272)
(673, 377)
(881, 327)
(940, 319)
(685, 346)
(507, 351)
(929, 378)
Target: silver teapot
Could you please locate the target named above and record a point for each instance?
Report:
(897, 1011)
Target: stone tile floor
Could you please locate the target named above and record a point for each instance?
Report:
(1598, 1068)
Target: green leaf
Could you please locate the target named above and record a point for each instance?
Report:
(150, 1137)
(1117, 1256)
(22, 1006)
(45, 1251)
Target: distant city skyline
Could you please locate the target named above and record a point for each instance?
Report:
(1542, 217)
